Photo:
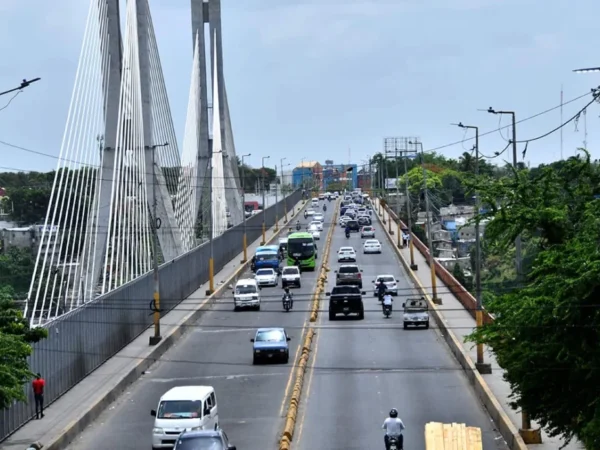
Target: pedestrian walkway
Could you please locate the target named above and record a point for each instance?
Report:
(461, 323)
(80, 406)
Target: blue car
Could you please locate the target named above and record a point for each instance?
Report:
(270, 344)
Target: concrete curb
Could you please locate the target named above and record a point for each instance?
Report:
(285, 441)
(507, 429)
(76, 427)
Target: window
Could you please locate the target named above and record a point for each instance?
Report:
(213, 399)
(270, 336)
(200, 443)
(246, 289)
(209, 403)
(265, 272)
(179, 409)
(348, 269)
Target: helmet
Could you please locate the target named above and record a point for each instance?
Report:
(286, 289)
(394, 413)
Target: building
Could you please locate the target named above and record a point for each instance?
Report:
(345, 174)
(31, 238)
(363, 180)
(287, 177)
(309, 173)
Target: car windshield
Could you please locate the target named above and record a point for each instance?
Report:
(313, 227)
(179, 409)
(290, 271)
(346, 249)
(265, 272)
(386, 279)
(247, 289)
(345, 290)
(352, 223)
(301, 247)
(200, 443)
(348, 269)
(267, 256)
(270, 336)
(371, 242)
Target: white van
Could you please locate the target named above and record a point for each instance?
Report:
(314, 202)
(246, 294)
(183, 408)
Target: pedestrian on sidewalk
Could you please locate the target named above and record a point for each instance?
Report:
(38, 392)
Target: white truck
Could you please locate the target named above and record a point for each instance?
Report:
(290, 276)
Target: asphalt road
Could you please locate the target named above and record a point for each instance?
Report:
(362, 369)
(217, 352)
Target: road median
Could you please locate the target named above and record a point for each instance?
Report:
(292, 413)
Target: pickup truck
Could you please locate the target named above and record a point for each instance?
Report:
(346, 300)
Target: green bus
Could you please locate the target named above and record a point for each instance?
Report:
(302, 246)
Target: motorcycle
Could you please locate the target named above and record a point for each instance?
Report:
(298, 227)
(287, 303)
(324, 208)
(393, 444)
(387, 311)
(347, 235)
(380, 295)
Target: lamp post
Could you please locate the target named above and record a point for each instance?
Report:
(435, 298)
(285, 220)
(530, 436)
(156, 338)
(245, 238)
(411, 246)
(482, 367)
(264, 227)
(24, 84)
(211, 261)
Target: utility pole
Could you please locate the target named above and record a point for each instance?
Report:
(530, 436)
(276, 202)
(482, 367)
(245, 237)
(264, 225)
(435, 298)
(24, 84)
(156, 338)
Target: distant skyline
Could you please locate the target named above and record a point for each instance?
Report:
(330, 79)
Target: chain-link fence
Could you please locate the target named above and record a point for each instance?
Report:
(80, 341)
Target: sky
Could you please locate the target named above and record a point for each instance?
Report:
(330, 79)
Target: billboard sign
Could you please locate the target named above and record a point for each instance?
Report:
(390, 183)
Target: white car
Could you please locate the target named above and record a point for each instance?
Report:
(391, 284)
(319, 216)
(316, 234)
(310, 212)
(316, 223)
(367, 232)
(266, 277)
(371, 246)
(346, 254)
(344, 219)
(290, 276)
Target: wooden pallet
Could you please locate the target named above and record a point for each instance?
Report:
(455, 436)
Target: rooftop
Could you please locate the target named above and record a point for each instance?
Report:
(307, 164)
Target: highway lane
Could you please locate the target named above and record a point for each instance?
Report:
(362, 369)
(217, 352)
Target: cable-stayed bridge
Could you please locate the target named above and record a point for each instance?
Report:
(121, 176)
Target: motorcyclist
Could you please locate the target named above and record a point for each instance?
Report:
(288, 295)
(393, 427)
(305, 214)
(387, 301)
(298, 226)
(347, 230)
(381, 289)
(324, 207)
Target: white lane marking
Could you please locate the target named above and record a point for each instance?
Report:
(224, 330)
(215, 377)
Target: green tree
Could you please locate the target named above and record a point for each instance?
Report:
(415, 180)
(16, 269)
(546, 333)
(16, 338)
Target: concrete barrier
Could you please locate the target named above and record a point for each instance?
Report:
(290, 421)
(508, 431)
(153, 354)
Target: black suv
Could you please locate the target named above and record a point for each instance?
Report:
(346, 300)
(364, 220)
(353, 225)
(348, 274)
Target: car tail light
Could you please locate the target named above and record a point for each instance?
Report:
(359, 275)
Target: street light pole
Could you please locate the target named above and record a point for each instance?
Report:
(264, 225)
(276, 202)
(156, 338)
(435, 298)
(245, 237)
(23, 85)
(481, 366)
(211, 261)
(411, 246)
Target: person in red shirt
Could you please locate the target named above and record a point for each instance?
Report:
(38, 392)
